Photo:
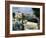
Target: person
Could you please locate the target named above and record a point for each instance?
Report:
(18, 25)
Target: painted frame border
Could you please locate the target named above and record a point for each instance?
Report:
(7, 18)
(25, 31)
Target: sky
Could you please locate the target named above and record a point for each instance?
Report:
(27, 10)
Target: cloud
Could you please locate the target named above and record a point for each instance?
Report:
(23, 10)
